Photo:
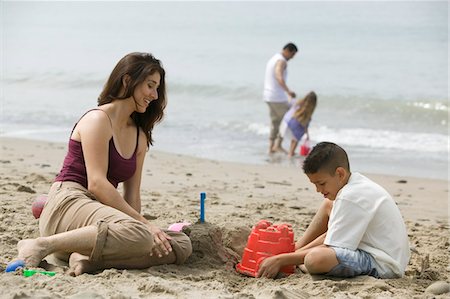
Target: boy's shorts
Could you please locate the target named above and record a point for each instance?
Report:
(353, 263)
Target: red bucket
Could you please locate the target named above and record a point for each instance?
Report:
(305, 149)
(266, 240)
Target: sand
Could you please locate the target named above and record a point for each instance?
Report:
(238, 196)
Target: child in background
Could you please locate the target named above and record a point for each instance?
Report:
(296, 121)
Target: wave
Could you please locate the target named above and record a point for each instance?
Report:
(383, 139)
(232, 91)
(362, 137)
(352, 102)
(60, 79)
(232, 104)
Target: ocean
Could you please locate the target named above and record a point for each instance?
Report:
(380, 70)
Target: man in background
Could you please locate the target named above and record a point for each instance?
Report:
(276, 92)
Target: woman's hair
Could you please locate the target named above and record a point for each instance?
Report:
(307, 105)
(326, 156)
(138, 66)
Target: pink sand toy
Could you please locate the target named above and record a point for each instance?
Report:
(177, 227)
(266, 240)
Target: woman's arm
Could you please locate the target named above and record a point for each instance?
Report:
(132, 187)
(132, 195)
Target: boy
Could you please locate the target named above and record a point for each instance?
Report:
(358, 229)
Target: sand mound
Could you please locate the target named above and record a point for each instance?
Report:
(215, 246)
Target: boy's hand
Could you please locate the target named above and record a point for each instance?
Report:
(269, 267)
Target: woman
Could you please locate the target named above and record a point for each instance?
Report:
(86, 220)
(296, 121)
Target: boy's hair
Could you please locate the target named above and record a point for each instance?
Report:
(326, 156)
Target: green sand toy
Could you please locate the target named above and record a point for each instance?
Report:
(29, 272)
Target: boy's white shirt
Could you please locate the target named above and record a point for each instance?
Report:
(364, 216)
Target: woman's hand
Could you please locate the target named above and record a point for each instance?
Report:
(161, 244)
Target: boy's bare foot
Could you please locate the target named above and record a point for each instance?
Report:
(79, 264)
(303, 268)
(32, 251)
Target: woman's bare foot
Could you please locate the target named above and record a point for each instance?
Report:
(32, 251)
(79, 264)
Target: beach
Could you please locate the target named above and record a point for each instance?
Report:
(238, 195)
(380, 70)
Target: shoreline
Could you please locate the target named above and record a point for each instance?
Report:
(238, 195)
(378, 162)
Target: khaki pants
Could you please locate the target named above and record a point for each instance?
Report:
(277, 112)
(120, 237)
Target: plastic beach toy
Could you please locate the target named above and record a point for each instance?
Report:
(202, 207)
(266, 240)
(305, 148)
(20, 264)
(14, 265)
(177, 227)
(38, 205)
(31, 272)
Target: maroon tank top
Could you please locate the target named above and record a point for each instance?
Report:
(74, 167)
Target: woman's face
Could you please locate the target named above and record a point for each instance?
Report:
(146, 92)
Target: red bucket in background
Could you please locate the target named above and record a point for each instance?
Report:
(266, 240)
(305, 148)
